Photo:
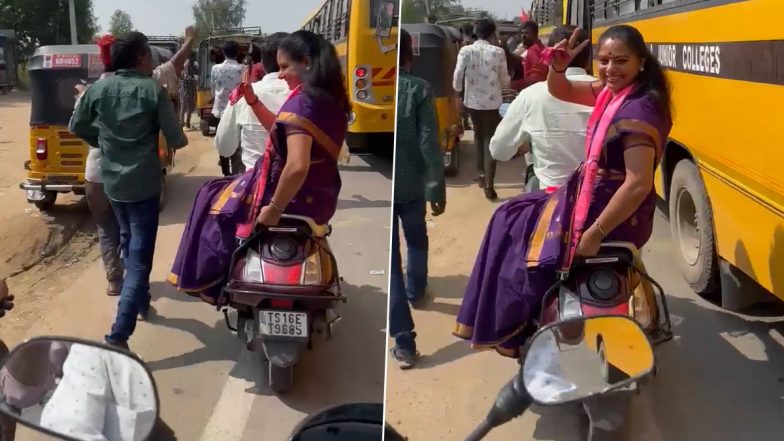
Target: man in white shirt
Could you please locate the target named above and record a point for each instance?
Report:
(239, 127)
(553, 131)
(103, 395)
(225, 77)
(483, 67)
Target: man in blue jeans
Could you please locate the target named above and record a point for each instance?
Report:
(130, 108)
(419, 178)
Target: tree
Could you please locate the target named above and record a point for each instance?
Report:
(217, 15)
(121, 23)
(46, 22)
(417, 11)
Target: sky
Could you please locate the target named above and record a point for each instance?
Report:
(171, 17)
(503, 9)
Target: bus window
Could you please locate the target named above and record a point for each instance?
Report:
(374, 5)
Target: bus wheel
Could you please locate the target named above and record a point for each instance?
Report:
(357, 142)
(691, 222)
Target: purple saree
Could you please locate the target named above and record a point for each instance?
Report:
(527, 239)
(224, 205)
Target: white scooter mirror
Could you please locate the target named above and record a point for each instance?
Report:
(582, 357)
(78, 390)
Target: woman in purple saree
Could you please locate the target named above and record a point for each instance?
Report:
(532, 237)
(297, 175)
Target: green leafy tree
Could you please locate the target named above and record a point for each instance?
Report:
(218, 15)
(120, 23)
(46, 22)
(418, 11)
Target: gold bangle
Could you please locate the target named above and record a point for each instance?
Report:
(601, 230)
(276, 207)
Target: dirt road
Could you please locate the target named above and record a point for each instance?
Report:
(720, 378)
(210, 388)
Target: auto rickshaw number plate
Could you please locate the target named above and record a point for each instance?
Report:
(35, 195)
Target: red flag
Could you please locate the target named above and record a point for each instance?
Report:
(523, 16)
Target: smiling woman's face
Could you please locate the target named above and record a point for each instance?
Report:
(290, 71)
(618, 65)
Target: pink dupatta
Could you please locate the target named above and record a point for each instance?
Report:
(245, 230)
(606, 107)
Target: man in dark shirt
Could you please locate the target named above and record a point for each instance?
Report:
(130, 108)
(419, 178)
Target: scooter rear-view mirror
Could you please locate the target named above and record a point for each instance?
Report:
(583, 357)
(71, 389)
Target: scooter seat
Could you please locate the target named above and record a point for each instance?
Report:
(316, 229)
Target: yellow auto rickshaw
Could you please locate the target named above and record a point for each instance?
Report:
(209, 54)
(435, 56)
(58, 157)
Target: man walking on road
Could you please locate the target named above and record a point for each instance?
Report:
(130, 108)
(553, 131)
(419, 178)
(483, 67)
(225, 77)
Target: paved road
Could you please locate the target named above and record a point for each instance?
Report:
(721, 378)
(211, 389)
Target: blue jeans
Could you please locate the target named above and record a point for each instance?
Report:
(138, 223)
(412, 287)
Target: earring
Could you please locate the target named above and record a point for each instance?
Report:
(642, 69)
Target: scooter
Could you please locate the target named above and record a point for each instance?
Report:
(97, 368)
(606, 307)
(284, 285)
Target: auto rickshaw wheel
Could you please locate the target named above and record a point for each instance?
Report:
(47, 203)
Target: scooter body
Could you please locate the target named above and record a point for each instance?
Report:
(284, 285)
(611, 284)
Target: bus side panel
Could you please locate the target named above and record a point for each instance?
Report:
(377, 116)
(750, 235)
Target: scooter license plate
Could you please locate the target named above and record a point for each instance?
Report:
(288, 324)
(35, 195)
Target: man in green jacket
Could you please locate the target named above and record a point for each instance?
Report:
(419, 178)
(130, 109)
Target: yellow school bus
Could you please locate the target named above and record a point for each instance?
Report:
(722, 169)
(369, 65)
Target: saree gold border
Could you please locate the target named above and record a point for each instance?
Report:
(637, 126)
(540, 233)
(224, 197)
(465, 331)
(316, 132)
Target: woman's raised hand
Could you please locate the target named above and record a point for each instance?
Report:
(565, 51)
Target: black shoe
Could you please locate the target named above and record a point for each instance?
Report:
(490, 194)
(418, 303)
(405, 358)
(119, 344)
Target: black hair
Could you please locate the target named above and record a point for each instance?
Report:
(565, 33)
(651, 80)
(406, 47)
(325, 74)
(467, 29)
(127, 49)
(532, 25)
(269, 51)
(231, 50)
(485, 28)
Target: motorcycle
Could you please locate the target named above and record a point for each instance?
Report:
(597, 329)
(102, 374)
(284, 285)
